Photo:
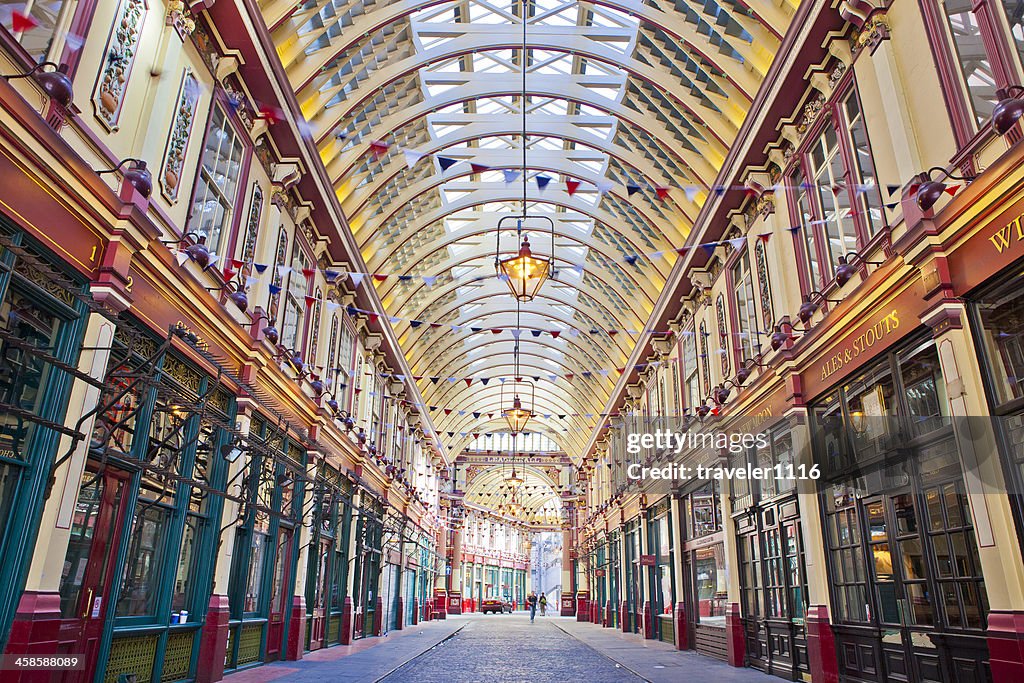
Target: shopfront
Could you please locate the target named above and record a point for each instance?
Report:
(138, 568)
(660, 573)
(770, 546)
(368, 604)
(908, 598)
(41, 327)
(633, 597)
(327, 561)
(265, 545)
(704, 570)
(996, 311)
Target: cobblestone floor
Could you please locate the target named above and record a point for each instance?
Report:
(509, 649)
(504, 648)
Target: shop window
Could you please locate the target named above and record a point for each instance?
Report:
(703, 511)
(217, 191)
(144, 562)
(836, 195)
(43, 38)
(710, 581)
(746, 308)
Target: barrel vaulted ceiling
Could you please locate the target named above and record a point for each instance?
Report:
(627, 93)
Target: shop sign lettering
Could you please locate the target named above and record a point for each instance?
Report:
(860, 344)
(1009, 234)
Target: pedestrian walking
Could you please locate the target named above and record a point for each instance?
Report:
(543, 605)
(532, 600)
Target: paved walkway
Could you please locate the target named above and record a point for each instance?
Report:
(504, 648)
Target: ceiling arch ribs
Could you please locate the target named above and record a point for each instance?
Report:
(655, 117)
(421, 306)
(620, 93)
(577, 164)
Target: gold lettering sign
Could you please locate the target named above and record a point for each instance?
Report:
(881, 329)
(1009, 234)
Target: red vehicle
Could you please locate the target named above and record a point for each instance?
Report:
(497, 605)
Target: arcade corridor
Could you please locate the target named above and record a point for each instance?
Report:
(475, 649)
(329, 326)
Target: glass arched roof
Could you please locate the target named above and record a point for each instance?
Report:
(619, 95)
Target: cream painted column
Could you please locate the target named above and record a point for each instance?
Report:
(994, 527)
(229, 512)
(55, 526)
(811, 523)
(567, 575)
(306, 530)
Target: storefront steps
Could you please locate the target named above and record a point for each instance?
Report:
(656, 661)
(365, 660)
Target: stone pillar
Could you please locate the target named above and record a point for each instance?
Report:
(346, 621)
(568, 600)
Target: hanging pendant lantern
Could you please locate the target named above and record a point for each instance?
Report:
(516, 416)
(514, 479)
(524, 272)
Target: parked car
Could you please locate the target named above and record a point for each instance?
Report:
(496, 605)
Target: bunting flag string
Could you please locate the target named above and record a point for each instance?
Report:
(635, 260)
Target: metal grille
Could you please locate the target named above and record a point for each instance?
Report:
(229, 650)
(178, 656)
(133, 655)
(249, 643)
(333, 629)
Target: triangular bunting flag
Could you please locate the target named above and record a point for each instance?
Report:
(412, 157)
(542, 181)
(571, 186)
(446, 162)
(632, 189)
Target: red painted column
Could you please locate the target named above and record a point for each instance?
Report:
(346, 621)
(400, 622)
(821, 646)
(1006, 646)
(648, 621)
(582, 607)
(213, 642)
(736, 641)
(35, 631)
(378, 617)
(415, 612)
(624, 616)
(296, 630)
(682, 627)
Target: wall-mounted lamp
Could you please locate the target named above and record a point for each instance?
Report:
(746, 368)
(56, 84)
(1008, 109)
(845, 268)
(231, 451)
(197, 251)
(137, 175)
(779, 338)
(812, 301)
(929, 191)
(269, 331)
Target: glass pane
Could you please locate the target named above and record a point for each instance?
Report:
(973, 59)
(1002, 317)
(921, 611)
(869, 198)
(913, 559)
(141, 581)
(39, 39)
(83, 525)
(254, 579)
(180, 598)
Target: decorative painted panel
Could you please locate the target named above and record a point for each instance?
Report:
(314, 343)
(764, 285)
(181, 131)
(704, 358)
(122, 46)
(278, 276)
(252, 225)
(723, 334)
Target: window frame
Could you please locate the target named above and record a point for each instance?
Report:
(801, 183)
(229, 229)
